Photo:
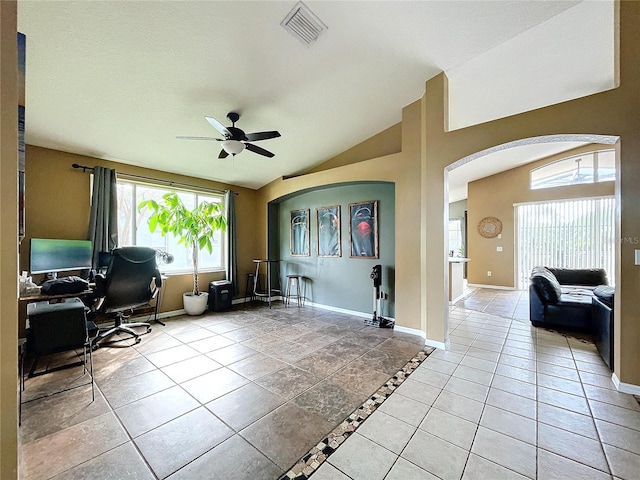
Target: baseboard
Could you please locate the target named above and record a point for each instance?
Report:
(172, 313)
(420, 333)
(240, 300)
(399, 328)
(433, 343)
(495, 287)
(338, 309)
(151, 316)
(625, 387)
(459, 297)
(411, 331)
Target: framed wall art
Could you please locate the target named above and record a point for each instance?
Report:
(299, 233)
(328, 227)
(363, 229)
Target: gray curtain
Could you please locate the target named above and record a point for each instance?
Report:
(232, 260)
(103, 223)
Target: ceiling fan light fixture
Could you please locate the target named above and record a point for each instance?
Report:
(232, 147)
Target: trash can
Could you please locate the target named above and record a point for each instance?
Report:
(220, 295)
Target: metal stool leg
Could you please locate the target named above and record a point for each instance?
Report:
(294, 280)
(298, 290)
(250, 283)
(287, 296)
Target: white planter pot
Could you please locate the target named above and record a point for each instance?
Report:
(195, 305)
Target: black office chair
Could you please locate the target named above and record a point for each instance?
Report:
(132, 281)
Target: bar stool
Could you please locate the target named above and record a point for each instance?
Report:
(294, 280)
(270, 276)
(251, 286)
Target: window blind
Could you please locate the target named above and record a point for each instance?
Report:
(568, 234)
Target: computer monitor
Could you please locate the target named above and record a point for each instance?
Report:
(49, 255)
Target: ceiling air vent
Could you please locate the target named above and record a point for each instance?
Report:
(303, 24)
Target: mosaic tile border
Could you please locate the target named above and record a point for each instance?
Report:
(309, 463)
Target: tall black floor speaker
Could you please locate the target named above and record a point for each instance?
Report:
(220, 295)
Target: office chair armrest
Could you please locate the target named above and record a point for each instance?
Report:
(101, 285)
(158, 279)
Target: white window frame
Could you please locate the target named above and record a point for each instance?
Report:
(167, 268)
(456, 223)
(575, 158)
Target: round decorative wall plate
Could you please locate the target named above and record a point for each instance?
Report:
(489, 227)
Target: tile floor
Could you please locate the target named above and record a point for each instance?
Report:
(246, 395)
(506, 401)
(241, 394)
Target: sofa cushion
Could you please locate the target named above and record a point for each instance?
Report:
(575, 299)
(546, 285)
(605, 294)
(580, 276)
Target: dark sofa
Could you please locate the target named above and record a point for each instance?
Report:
(561, 297)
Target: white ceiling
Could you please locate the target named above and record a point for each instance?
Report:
(119, 80)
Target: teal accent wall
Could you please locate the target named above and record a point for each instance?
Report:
(341, 282)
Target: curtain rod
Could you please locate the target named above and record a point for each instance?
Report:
(168, 182)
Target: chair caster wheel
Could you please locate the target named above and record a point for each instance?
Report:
(138, 340)
(149, 330)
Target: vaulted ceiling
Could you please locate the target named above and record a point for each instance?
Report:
(120, 80)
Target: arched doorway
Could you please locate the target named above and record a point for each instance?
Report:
(507, 166)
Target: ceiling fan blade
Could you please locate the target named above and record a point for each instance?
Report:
(258, 150)
(223, 154)
(212, 139)
(218, 126)
(254, 137)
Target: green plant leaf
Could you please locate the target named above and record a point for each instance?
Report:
(193, 228)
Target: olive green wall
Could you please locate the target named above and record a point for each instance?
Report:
(8, 241)
(513, 187)
(57, 206)
(342, 282)
(387, 142)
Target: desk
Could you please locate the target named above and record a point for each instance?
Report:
(90, 295)
(268, 294)
(39, 297)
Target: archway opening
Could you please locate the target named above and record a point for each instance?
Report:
(495, 180)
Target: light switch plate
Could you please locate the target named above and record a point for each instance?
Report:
(637, 257)
(498, 249)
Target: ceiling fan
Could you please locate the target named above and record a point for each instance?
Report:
(235, 140)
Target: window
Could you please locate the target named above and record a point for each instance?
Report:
(567, 234)
(455, 237)
(133, 229)
(592, 167)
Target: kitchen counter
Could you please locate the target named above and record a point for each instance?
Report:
(456, 278)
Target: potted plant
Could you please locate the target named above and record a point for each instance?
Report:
(193, 228)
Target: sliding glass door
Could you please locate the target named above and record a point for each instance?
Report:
(569, 233)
